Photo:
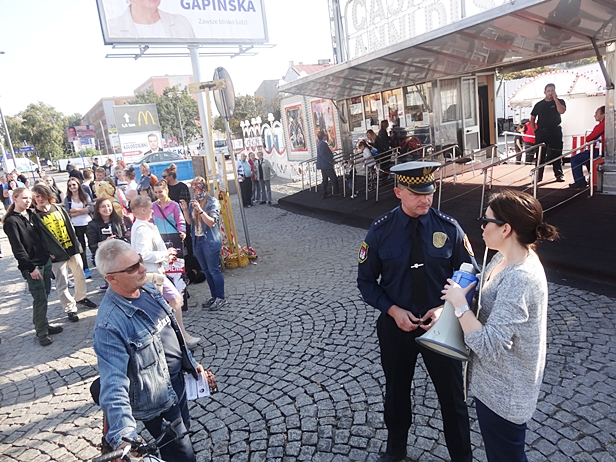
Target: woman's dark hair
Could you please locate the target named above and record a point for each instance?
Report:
(524, 214)
(114, 217)
(172, 171)
(81, 195)
(130, 173)
(162, 184)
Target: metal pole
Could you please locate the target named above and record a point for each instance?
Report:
(194, 58)
(105, 139)
(8, 139)
(181, 128)
(237, 185)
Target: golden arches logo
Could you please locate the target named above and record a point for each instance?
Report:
(145, 118)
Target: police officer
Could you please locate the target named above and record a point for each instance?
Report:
(413, 250)
(548, 130)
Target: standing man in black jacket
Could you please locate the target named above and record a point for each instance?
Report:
(325, 163)
(548, 130)
(32, 259)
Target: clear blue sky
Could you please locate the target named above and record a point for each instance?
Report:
(54, 53)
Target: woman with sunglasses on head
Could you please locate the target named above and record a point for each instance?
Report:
(51, 182)
(79, 206)
(508, 338)
(203, 213)
(106, 224)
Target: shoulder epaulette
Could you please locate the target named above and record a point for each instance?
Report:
(382, 219)
(444, 216)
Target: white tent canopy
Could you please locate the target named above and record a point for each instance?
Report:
(569, 85)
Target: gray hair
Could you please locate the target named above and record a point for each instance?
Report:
(140, 201)
(108, 253)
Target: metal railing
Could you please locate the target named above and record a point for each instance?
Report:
(591, 147)
(308, 168)
(490, 169)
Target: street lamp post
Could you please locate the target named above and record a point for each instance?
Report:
(177, 106)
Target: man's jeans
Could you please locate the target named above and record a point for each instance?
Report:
(39, 288)
(577, 161)
(266, 190)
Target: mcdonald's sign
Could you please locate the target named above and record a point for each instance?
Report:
(136, 118)
(145, 115)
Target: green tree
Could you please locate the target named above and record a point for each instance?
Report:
(14, 126)
(42, 126)
(247, 107)
(527, 74)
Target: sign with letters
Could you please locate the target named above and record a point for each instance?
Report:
(135, 118)
(183, 22)
(139, 130)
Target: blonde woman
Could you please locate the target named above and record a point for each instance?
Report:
(203, 213)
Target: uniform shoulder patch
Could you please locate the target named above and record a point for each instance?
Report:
(467, 246)
(447, 218)
(362, 256)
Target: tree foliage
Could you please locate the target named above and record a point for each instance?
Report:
(528, 73)
(247, 107)
(167, 106)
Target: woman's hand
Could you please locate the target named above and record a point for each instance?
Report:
(454, 294)
(183, 205)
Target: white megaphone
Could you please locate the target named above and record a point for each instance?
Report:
(446, 335)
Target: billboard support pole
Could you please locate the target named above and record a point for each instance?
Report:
(8, 139)
(104, 139)
(194, 59)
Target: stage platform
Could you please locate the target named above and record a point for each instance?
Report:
(584, 256)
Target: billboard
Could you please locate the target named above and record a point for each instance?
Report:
(323, 115)
(183, 22)
(135, 118)
(136, 145)
(295, 128)
(77, 132)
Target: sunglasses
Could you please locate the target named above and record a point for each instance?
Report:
(485, 220)
(131, 269)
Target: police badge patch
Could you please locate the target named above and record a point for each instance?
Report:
(439, 239)
(362, 256)
(467, 246)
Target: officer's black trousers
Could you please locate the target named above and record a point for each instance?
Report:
(398, 356)
(554, 140)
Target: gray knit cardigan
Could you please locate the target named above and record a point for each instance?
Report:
(508, 352)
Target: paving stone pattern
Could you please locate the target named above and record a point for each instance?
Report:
(296, 358)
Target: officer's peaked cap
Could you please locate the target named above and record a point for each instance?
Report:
(418, 177)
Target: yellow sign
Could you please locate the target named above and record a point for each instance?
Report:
(145, 118)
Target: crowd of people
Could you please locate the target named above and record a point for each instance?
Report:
(254, 176)
(46, 225)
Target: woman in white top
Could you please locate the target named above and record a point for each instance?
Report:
(131, 189)
(79, 206)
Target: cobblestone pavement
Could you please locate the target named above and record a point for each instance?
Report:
(297, 362)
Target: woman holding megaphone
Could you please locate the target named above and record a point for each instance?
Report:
(508, 336)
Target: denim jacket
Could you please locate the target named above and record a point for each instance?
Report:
(212, 236)
(135, 381)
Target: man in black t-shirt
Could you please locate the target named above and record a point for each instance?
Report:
(548, 130)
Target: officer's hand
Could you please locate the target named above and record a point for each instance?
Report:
(405, 320)
(428, 319)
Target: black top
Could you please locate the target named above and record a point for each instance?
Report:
(547, 114)
(25, 240)
(380, 144)
(76, 174)
(178, 192)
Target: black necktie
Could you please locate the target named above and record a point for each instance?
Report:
(418, 273)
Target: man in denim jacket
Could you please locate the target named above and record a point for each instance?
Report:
(141, 353)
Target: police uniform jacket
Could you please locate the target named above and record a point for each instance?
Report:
(386, 253)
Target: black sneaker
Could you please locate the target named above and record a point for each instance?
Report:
(72, 317)
(218, 304)
(87, 303)
(52, 330)
(560, 179)
(45, 340)
(208, 303)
